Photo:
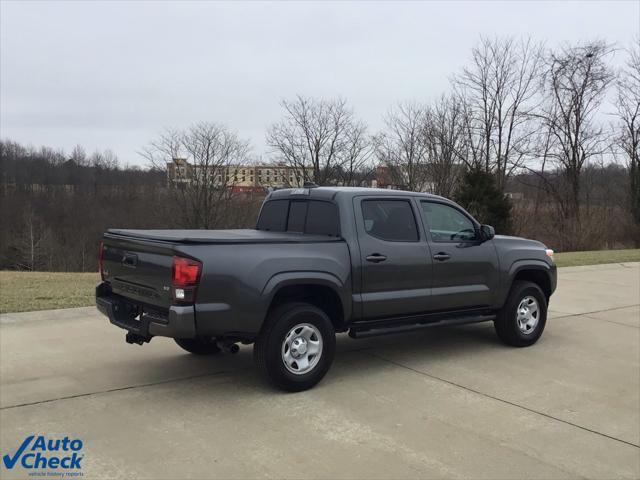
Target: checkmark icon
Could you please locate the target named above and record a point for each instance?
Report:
(10, 462)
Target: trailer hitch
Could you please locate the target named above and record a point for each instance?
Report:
(136, 338)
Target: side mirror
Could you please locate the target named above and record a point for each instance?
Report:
(488, 232)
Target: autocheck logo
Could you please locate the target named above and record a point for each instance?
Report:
(39, 453)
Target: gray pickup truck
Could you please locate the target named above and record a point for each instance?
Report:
(321, 261)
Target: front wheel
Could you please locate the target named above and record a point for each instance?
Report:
(296, 347)
(199, 345)
(524, 315)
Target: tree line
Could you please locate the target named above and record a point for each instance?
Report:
(538, 141)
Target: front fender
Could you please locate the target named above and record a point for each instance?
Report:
(526, 264)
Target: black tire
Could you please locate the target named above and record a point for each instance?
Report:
(506, 324)
(199, 345)
(268, 348)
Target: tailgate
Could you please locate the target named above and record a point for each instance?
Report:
(138, 269)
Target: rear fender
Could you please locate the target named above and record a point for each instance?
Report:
(325, 279)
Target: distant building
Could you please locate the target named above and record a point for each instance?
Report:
(514, 195)
(179, 171)
(260, 178)
(239, 178)
(385, 178)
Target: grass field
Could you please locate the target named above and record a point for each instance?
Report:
(28, 291)
(572, 259)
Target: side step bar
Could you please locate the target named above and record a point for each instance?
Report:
(374, 328)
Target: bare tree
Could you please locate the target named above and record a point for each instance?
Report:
(79, 155)
(628, 107)
(402, 147)
(32, 241)
(318, 137)
(446, 144)
(575, 83)
(203, 194)
(356, 155)
(499, 91)
(106, 160)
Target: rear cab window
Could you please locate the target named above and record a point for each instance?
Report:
(322, 219)
(273, 216)
(297, 216)
(314, 217)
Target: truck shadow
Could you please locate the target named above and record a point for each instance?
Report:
(438, 339)
(354, 358)
(163, 365)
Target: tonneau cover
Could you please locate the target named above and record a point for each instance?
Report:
(221, 236)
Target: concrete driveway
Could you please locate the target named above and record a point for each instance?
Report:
(444, 403)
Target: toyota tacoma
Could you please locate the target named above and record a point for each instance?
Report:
(321, 261)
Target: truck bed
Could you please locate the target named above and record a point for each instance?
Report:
(219, 236)
(138, 264)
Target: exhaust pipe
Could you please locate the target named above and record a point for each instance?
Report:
(228, 346)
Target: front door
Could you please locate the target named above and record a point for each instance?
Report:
(395, 258)
(465, 268)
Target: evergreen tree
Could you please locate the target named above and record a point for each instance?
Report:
(479, 194)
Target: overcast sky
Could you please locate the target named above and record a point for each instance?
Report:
(113, 74)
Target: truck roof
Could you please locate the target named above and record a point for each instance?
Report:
(329, 193)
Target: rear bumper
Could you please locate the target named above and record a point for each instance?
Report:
(177, 322)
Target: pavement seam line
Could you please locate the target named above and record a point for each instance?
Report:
(567, 315)
(118, 389)
(142, 385)
(419, 372)
(586, 315)
(612, 321)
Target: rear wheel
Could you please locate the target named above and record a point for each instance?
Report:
(296, 347)
(524, 315)
(199, 345)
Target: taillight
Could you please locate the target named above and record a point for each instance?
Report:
(100, 256)
(185, 275)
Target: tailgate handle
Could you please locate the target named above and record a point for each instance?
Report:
(130, 260)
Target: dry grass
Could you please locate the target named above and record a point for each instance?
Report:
(594, 257)
(28, 291)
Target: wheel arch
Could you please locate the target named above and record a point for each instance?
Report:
(321, 289)
(534, 271)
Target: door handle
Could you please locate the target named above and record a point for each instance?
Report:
(441, 256)
(130, 260)
(376, 258)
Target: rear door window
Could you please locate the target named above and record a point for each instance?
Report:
(390, 220)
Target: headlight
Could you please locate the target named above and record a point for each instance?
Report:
(549, 253)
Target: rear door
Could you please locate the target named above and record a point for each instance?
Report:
(395, 259)
(465, 269)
